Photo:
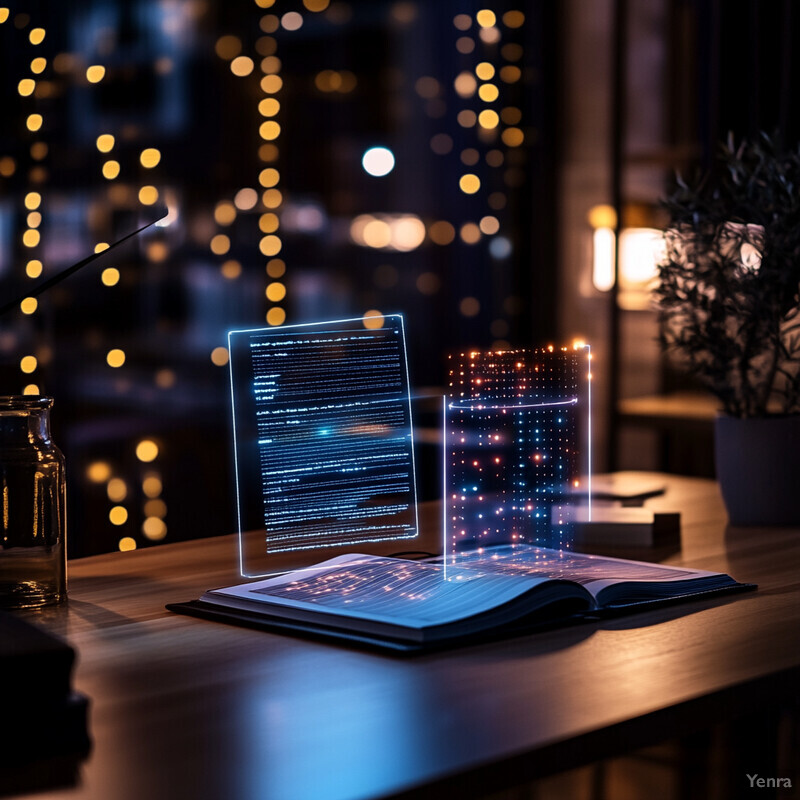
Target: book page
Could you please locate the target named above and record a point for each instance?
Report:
(594, 573)
(396, 591)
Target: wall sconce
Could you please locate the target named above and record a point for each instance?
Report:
(641, 249)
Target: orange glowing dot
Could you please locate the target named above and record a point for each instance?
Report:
(276, 316)
(513, 19)
(148, 195)
(34, 122)
(466, 118)
(276, 292)
(36, 35)
(154, 529)
(220, 244)
(470, 233)
(146, 450)
(118, 516)
(469, 183)
(98, 472)
(512, 137)
(373, 319)
(269, 177)
(231, 269)
(31, 238)
(95, 73)
(269, 107)
(219, 356)
(242, 66)
(165, 378)
(110, 276)
(115, 358)
(488, 92)
(33, 269)
(157, 251)
(269, 130)
(270, 245)
(149, 157)
(105, 143)
(152, 485)
(510, 73)
(117, 490)
(269, 66)
(228, 47)
(276, 268)
(271, 84)
(272, 198)
(126, 544)
(224, 213)
(29, 305)
(111, 170)
(269, 222)
(485, 71)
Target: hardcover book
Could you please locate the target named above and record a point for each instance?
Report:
(411, 605)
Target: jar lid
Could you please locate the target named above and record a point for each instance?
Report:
(24, 402)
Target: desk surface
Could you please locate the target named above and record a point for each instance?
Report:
(183, 707)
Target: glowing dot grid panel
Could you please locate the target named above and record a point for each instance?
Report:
(517, 426)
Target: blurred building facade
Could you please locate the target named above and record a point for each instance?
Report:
(327, 159)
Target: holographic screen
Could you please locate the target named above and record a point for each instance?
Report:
(517, 448)
(323, 438)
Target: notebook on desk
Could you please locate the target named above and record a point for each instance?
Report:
(325, 459)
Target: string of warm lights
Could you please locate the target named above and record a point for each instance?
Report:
(269, 106)
(31, 237)
(481, 82)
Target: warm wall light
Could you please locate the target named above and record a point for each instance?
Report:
(641, 249)
(603, 259)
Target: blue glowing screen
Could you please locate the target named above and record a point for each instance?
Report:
(516, 451)
(323, 437)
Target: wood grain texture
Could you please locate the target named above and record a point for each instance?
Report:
(188, 708)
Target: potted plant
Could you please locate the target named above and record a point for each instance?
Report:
(729, 310)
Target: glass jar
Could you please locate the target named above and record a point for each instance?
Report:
(33, 567)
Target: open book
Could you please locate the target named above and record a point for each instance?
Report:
(413, 605)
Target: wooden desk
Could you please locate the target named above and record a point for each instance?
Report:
(184, 708)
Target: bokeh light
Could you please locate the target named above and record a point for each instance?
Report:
(147, 450)
(378, 161)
